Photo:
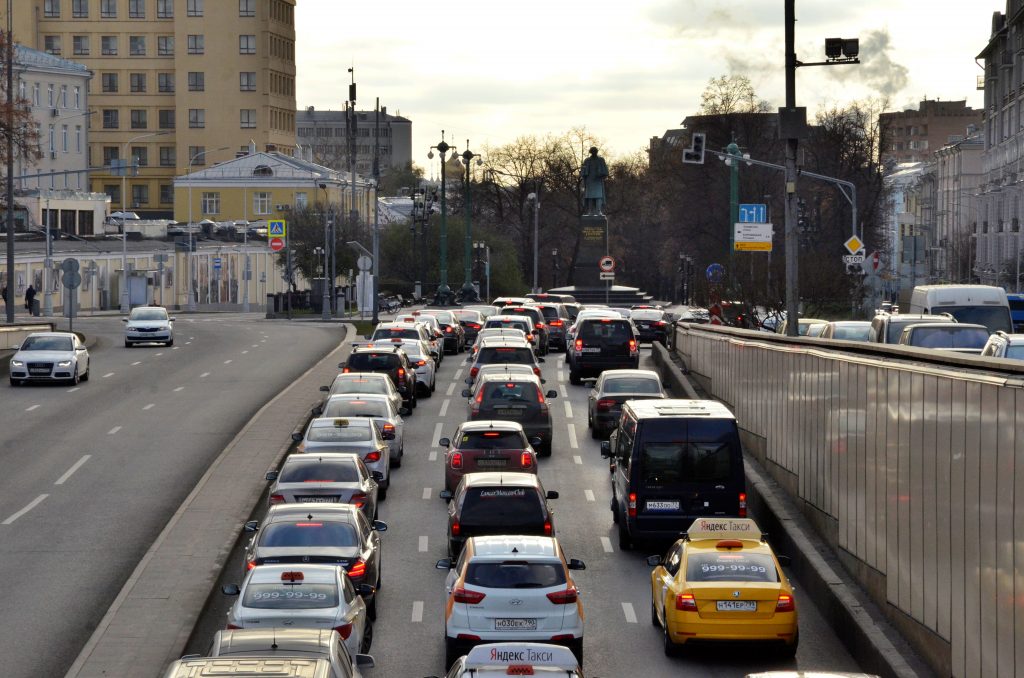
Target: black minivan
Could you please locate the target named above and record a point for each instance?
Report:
(673, 461)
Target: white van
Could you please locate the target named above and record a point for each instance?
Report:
(979, 304)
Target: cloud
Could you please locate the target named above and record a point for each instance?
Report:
(877, 69)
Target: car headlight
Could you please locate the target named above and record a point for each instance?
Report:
(17, 363)
(64, 363)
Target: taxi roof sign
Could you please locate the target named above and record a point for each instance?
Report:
(501, 655)
(724, 528)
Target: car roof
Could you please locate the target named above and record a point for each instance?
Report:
(287, 512)
(361, 375)
(275, 641)
(850, 323)
(52, 334)
(263, 574)
(504, 341)
(510, 547)
(509, 316)
(491, 425)
(393, 326)
(510, 479)
(384, 348)
(678, 407)
(946, 325)
(510, 376)
(650, 374)
(1013, 339)
(908, 316)
(375, 397)
(352, 422)
(319, 457)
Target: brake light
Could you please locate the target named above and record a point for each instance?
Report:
(346, 370)
(464, 596)
(473, 370)
(421, 363)
(685, 601)
(292, 576)
(456, 528)
(478, 400)
(743, 505)
(277, 499)
(389, 428)
(233, 627)
(526, 460)
(519, 670)
(605, 404)
(729, 544)
(566, 597)
(632, 505)
(659, 323)
(457, 460)
(785, 604)
(345, 630)
(632, 344)
(357, 569)
(250, 565)
(536, 370)
(373, 456)
(401, 372)
(555, 323)
(579, 344)
(539, 326)
(495, 434)
(474, 326)
(543, 403)
(547, 528)
(358, 499)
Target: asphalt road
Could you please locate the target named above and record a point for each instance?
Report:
(92, 474)
(619, 640)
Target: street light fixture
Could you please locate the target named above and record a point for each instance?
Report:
(191, 294)
(468, 291)
(443, 296)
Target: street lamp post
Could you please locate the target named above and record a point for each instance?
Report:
(325, 312)
(554, 268)
(191, 294)
(125, 303)
(468, 291)
(535, 197)
(442, 298)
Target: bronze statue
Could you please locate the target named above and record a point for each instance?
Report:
(593, 173)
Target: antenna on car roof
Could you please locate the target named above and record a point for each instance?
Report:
(515, 550)
(273, 643)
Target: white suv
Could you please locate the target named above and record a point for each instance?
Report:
(1005, 345)
(511, 588)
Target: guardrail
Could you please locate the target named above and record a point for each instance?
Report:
(13, 335)
(906, 461)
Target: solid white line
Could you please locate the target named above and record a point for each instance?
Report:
(573, 442)
(568, 409)
(77, 465)
(108, 374)
(577, 459)
(417, 611)
(137, 362)
(180, 388)
(458, 374)
(423, 544)
(606, 544)
(565, 391)
(228, 361)
(31, 505)
(627, 609)
(204, 374)
(437, 434)
(432, 456)
(451, 389)
(160, 353)
(113, 430)
(426, 492)
(589, 494)
(72, 390)
(149, 406)
(31, 407)
(444, 408)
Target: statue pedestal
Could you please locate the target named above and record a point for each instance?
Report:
(593, 246)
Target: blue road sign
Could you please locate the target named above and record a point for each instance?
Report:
(715, 273)
(275, 228)
(216, 262)
(753, 213)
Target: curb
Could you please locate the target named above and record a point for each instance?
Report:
(153, 615)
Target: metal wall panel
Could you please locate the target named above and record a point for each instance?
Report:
(1018, 534)
(1004, 498)
(957, 522)
(892, 494)
(972, 542)
(943, 502)
(841, 453)
(919, 457)
(929, 509)
(903, 461)
(872, 436)
(988, 471)
(860, 440)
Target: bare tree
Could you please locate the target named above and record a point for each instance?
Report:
(731, 94)
(16, 119)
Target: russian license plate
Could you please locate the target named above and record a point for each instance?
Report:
(492, 463)
(662, 506)
(321, 499)
(515, 624)
(595, 349)
(737, 606)
(508, 411)
(39, 370)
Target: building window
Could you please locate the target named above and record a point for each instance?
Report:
(110, 118)
(248, 118)
(136, 9)
(140, 156)
(164, 9)
(166, 119)
(166, 194)
(80, 9)
(78, 138)
(196, 81)
(196, 44)
(165, 82)
(197, 155)
(247, 81)
(211, 203)
(261, 203)
(138, 118)
(109, 82)
(165, 45)
(51, 44)
(247, 44)
(140, 195)
(137, 82)
(195, 7)
(197, 117)
(49, 96)
(114, 191)
(108, 9)
(51, 9)
(167, 158)
(35, 94)
(64, 138)
(63, 96)
(137, 45)
(301, 200)
(108, 45)
(110, 154)
(52, 138)
(246, 7)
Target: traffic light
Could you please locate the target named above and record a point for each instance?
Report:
(694, 155)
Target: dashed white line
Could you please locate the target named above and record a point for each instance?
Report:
(573, 442)
(175, 348)
(72, 390)
(187, 343)
(149, 406)
(561, 375)
(437, 434)
(204, 374)
(627, 609)
(589, 494)
(458, 374)
(451, 389)
(606, 544)
(417, 611)
(158, 354)
(255, 345)
(564, 390)
(577, 459)
(180, 388)
(108, 374)
(77, 465)
(426, 492)
(191, 337)
(31, 407)
(113, 430)
(31, 505)
(244, 352)
(444, 408)
(568, 409)
(423, 544)
(228, 361)
(432, 456)
(137, 362)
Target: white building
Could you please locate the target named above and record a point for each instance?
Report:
(322, 135)
(958, 170)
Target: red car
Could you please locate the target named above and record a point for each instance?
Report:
(487, 446)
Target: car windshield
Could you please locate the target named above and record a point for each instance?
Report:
(731, 566)
(322, 471)
(1015, 352)
(810, 329)
(993, 317)
(896, 327)
(373, 361)
(286, 596)
(356, 408)
(492, 440)
(514, 574)
(506, 354)
(631, 385)
(511, 391)
(615, 331)
(948, 337)
(346, 385)
(47, 344)
(308, 533)
(851, 332)
(505, 507)
(338, 434)
(674, 463)
(148, 314)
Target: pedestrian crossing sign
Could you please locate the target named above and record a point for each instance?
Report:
(275, 228)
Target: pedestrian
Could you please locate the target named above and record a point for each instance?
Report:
(30, 296)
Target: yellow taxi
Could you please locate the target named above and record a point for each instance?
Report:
(722, 582)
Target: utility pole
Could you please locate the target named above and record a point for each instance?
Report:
(468, 291)
(443, 291)
(376, 210)
(9, 57)
(734, 202)
(792, 245)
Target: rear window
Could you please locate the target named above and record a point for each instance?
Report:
(320, 472)
(612, 331)
(851, 332)
(338, 434)
(550, 312)
(632, 385)
(945, 337)
(645, 314)
(358, 386)
(731, 566)
(521, 391)
(505, 354)
(284, 596)
(443, 317)
(308, 533)
(532, 313)
(502, 507)
(678, 463)
(513, 574)
(492, 440)
(374, 361)
(356, 408)
(514, 324)
(396, 333)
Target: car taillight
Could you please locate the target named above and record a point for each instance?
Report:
(277, 499)
(539, 326)
(547, 528)
(785, 604)
(456, 528)
(526, 460)
(388, 428)
(401, 372)
(566, 597)
(536, 370)
(529, 337)
(448, 330)
(632, 505)
(474, 326)
(250, 564)
(457, 460)
(473, 370)
(463, 596)
(605, 404)
(685, 601)
(421, 363)
(345, 630)
(347, 370)
(579, 344)
(659, 323)
(743, 505)
(555, 323)
(357, 570)
(632, 344)
(358, 499)
(373, 456)
(233, 627)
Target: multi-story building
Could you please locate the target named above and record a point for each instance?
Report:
(909, 228)
(912, 136)
(180, 83)
(958, 173)
(325, 134)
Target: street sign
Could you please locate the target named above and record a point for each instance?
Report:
(217, 263)
(753, 213)
(364, 263)
(606, 264)
(69, 265)
(276, 228)
(715, 273)
(752, 237)
(71, 279)
(875, 261)
(276, 244)
(853, 258)
(606, 275)
(853, 245)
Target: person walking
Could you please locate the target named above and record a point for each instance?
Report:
(30, 296)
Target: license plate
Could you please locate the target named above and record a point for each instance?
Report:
(323, 499)
(662, 506)
(515, 624)
(592, 350)
(491, 463)
(508, 411)
(737, 606)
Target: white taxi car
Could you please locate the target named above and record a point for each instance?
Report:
(511, 588)
(148, 324)
(516, 659)
(307, 597)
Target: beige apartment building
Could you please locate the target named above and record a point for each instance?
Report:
(914, 135)
(176, 84)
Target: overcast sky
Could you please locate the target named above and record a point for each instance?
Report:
(625, 69)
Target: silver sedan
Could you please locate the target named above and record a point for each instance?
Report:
(325, 478)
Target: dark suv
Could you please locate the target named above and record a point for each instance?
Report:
(556, 318)
(603, 344)
(539, 323)
(514, 397)
(390, 360)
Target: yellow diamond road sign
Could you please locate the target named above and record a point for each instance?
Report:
(853, 245)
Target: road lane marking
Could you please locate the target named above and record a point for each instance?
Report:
(432, 456)
(444, 408)
(187, 343)
(108, 374)
(204, 374)
(627, 609)
(158, 354)
(606, 544)
(149, 406)
(255, 345)
(417, 611)
(577, 459)
(451, 389)
(244, 352)
(113, 430)
(458, 374)
(77, 465)
(564, 390)
(31, 505)
(191, 337)
(137, 362)
(423, 544)
(589, 494)
(180, 388)
(228, 361)
(568, 409)
(437, 434)
(573, 443)
(426, 492)
(72, 390)
(175, 348)
(32, 407)
(561, 375)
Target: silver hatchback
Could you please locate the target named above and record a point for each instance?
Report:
(358, 436)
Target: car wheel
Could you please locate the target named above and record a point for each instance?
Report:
(127, 344)
(397, 463)
(574, 378)
(671, 649)
(371, 609)
(14, 382)
(382, 490)
(789, 651)
(595, 433)
(433, 384)
(170, 342)
(451, 654)
(76, 377)
(545, 450)
(625, 542)
(85, 375)
(364, 647)
(655, 622)
(577, 649)
(615, 512)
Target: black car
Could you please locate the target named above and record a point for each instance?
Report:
(602, 344)
(540, 324)
(556, 320)
(452, 331)
(471, 322)
(651, 324)
(497, 503)
(614, 387)
(390, 360)
(514, 397)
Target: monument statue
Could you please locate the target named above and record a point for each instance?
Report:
(593, 173)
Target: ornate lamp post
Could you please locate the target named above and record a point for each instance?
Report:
(443, 296)
(468, 291)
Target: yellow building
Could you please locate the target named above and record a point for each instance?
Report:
(177, 83)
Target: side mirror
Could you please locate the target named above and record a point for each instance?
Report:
(297, 437)
(230, 589)
(445, 442)
(341, 366)
(388, 435)
(365, 590)
(466, 393)
(251, 525)
(365, 661)
(785, 561)
(173, 319)
(377, 476)
(317, 410)
(468, 380)
(325, 389)
(444, 564)
(271, 475)
(124, 320)
(552, 494)
(654, 561)
(606, 448)
(540, 360)
(543, 381)
(446, 495)
(380, 526)
(552, 394)
(404, 411)
(366, 336)
(575, 564)
(535, 440)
